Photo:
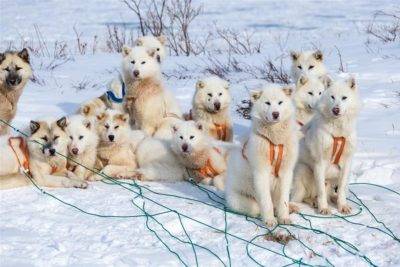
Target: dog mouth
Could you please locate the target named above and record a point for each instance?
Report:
(14, 81)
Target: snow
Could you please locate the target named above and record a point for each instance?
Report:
(38, 230)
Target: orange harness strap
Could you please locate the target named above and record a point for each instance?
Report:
(208, 170)
(276, 164)
(221, 131)
(71, 167)
(24, 148)
(336, 154)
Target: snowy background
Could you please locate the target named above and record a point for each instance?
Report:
(38, 230)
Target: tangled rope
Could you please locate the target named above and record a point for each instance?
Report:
(215, 201)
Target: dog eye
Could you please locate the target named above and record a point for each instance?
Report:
(344, 98)
(299, 67)
(158, 49)
(220, 94)
(191, 137)
(18, 68)
(268, 103)
(310, 93)
(107, 126)
(280, 102)
(332, 97)
(133, 62)
(7, 69)
(55, 137)
(181, 137)
(81, 137)
(71, 138)
(320, 93)
(44, 138)
(116, 127)
(143, 62)
(310, 67)
(210, 95)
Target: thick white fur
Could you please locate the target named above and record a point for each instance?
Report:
(315, 171)
(310, 63)
(308, 91)
(116, 149)
(156, 43)
(251, 188)
(210, 105)
(82, 146)
(151, 107)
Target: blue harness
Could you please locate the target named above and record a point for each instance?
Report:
(113, 98)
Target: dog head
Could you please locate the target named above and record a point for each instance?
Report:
(14, 68)
(308, 91)
(81, 133)
(112, 126)
(156, 43)
(140, 63)
(212, 94)
(272, 104)
(340, 99)
(307, 63)
(92, 107)
(51, 135)
(188, 136)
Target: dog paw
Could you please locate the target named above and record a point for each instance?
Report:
(325, 211)
(285, 221)
(293, 208)
(271, 222)
(344, 209)
(79, 184)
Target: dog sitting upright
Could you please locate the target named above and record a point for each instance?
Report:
(260, 173)
(327, 149)
(211, 107)
(15, 71)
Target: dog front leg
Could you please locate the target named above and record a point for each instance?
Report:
(284, 192)
(343, 179)
(59, 181)
(319, 176)
(262, 186)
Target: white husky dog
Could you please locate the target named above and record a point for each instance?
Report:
(211, 107)
(260, 174)
(151, 107)
(82, 147)
(308, 91)
(308, 63)
(156, 43)
(188, 154)
(328, 147)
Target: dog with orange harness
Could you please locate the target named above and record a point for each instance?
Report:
(323, 170)
(260, 173)
(211, 103)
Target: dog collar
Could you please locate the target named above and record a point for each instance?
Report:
(112, 97)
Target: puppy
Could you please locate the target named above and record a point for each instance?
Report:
(82, 147)
(15, 71)
(260, 174)
(308, 63)
(156, 43)
(211, 103)
(327, 148)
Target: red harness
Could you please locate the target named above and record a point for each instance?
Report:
(336, 154)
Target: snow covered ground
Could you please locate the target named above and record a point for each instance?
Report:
(38, 230)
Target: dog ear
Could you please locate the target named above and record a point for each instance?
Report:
(139, 42)
(294, 55)
(255, 95)
(85, 110)
(126, 50)
(34, 126)
(162, 39)
(200, 84)
(87, 124)
(352, 83)
(326, 80)
(288, 90)
(199, 125)
(24, 55)
(174, 128)
(62, 123)
(318, 55)
(151, 52)
(226, 85)
(101, 116)
(303, 80)
(2, 57)
(122, 117)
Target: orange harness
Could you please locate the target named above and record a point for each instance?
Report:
(277, 162)
(208, 170)
(336, 154)
(71, 167)
(219, 128)
(24, 148)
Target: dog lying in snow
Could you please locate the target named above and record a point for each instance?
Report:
(260, 173)
(327, 149)
(211, 103)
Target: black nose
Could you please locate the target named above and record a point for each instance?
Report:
(52, 151)
(75, 151)
(111, 137)
(136, 73)
(275, 115)
(336, 111)
(217, 105)
(184, 147)
(158, 58)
